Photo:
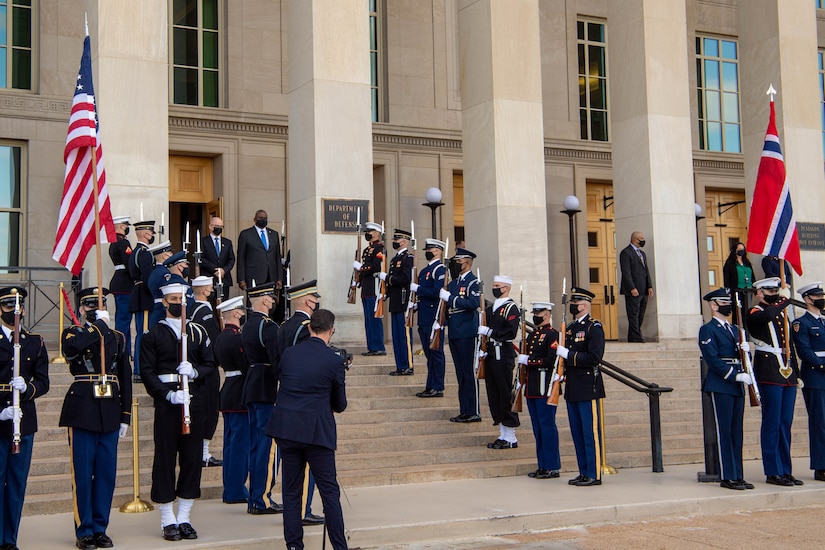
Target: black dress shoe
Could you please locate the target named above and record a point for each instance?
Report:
(548, 474)
(137, 379)
(473, 418)
(379, 353)
(279, 508)
(819, 475)
(746, 485)
(430, 393)
(779, 480)
(405, 372)
(460, 418)
(212, 461)
(368, 353)
(263, 511)
(588, 482)
(312, 519)
(502, 444)
(576, 479)
(534, 474)
(494, 443)
(102, 540)
(187, 531)
(732, 484)
(238, 501)
(794, 480)
(86, 543)
(171, 532)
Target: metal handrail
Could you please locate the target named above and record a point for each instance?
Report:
(42, 303)
(653, 392)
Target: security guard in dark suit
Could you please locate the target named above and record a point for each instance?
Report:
(204, 315)
(462, 297)
(32, 383)
(164, 368)
(725, 381)
(584, 351)
(260, 346)
(430, 283)
(777, 376)
(369, 267)
(809, 338)
(398, 278)
(140, 266)
(539, 361)
(97, 411)
(312, 388)
(121, 284)
(160, 276)
(228, 350)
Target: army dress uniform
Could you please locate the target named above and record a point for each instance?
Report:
(371, 260)
(140, 266)
(399, 276)
(94, 419)
(430, 282)
(121, 284)
(34, 369)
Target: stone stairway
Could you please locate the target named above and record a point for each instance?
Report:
(388, 436)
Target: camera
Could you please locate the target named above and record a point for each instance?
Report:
(346, 358)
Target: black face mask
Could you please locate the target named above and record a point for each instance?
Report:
(185, 273)
(261, 222)
(741, 253)
(497, 292)
(8, 318)
(641, 244)
(574, 309)
(396, 246)
(175, 310)
(429, 256)
(537, 320)
(368, 237)
(819, 303)
(126, 231)
(217, 230)
(242, 320)
(151, 239)
(772, 299)
(455, 269)
(726, 309)
(316, 306)
(91, 316)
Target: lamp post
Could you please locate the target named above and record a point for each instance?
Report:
(571, 208)
(433, 198)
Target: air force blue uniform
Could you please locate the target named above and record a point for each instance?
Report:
(430, 282)
(809, 338)
(462, 323)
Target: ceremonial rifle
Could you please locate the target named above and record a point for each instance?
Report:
(15, 394)
(481, 341)
(355, 278)
(558, 366)
(379, 300)
(441, 312)
(184, 354)
(198, 253)
(521, 375)
(409, 315)
(753, 389)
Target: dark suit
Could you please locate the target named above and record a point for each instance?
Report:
(635, 274)
(263, 265)
(312, 388)
(211, 260)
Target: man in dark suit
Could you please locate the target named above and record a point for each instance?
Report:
(311, 389)
(218, 257)
(636, 285)
(259, 254)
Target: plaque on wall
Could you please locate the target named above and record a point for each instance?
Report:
(341, 215)
(811, 235)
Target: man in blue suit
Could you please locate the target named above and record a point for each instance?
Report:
(809, 339)
(725, 382)
(430, 282)
(311, 388)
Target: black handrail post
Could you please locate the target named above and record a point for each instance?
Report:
(656, 432)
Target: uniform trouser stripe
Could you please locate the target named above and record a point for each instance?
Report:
(597, 436)
(728, 411)
(271, 472)
(74, 482)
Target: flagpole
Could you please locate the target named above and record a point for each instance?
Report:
(98, 256)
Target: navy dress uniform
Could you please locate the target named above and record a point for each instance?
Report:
(140, 266)
(584, 387)
(160, 277)
(718, 341)
(809, 338)
(32, 383)
(398, 279)
(121, 284)
(777, 376)
(228, 350)
(430, 283)
(96, 410)
(539, 365)
(369, 267)
(259, 336)
(204, 315)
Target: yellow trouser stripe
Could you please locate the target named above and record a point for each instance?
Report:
(597, 439)
(270, 473)
(74, 481)
(305, 491)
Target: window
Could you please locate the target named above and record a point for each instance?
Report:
(821, 58)
(195, 52)
(11, 207)
(16, 44)
(818, 4)
(717, 77)
(376, 61)
(592, 45)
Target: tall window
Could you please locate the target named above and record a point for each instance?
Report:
(376, 62)
(818, 4)
(592, 45)
(717, 77)
(16, 44)
(11, 209)
(195, 52)
(821, 58)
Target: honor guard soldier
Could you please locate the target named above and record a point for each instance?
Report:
(163, 372)
(369, 267)
(503, 318)
(398, 278)
(97, 412)
(462, 297)
(725, 381)
(160, 277)
(584, 351)
(539, 363)
(809, 338)
(204, 315)
(121, 284)
(141, 263)
(260, 346)
(32, 382)
(228, 349)
(430, 283)
(777, 375)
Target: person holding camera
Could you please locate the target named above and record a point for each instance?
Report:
(311, 388)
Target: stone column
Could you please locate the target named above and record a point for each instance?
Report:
(330, 143)
(501, 101)
(648, 83)
(778, 44)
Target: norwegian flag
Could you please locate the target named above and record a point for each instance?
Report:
(772, 225)
(76, 220)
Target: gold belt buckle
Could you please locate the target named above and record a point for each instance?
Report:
(102, 390)
(785, 371)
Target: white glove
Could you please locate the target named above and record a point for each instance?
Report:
(482, 354)
(522, 358)
(554, 378)
(745, 346)
(122, 431)
(444, 294)
(413, 287)
(185, 368)
(17, 383)
(7, 413)
(563, 351)
(178, 397)
(745, 378)
(436, 326)
(356, 265)
(410, 305)
(102, 314)
(484, 331)
(382, 275)
(379, 297)
(785, 292)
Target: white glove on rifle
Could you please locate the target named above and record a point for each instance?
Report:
(554, 378)
(444, 294)
(7, 414)
(185, 368)
(562, 351)
(484, 331)
(413, 287)
(381, 275)
(410, 305)
(17, 383)
(102, 314)
(356, 265)
(482, 354)
(436, 326)
(522, 358)
(178, 397)
(745, 378)
(745, 346)
(122, 431)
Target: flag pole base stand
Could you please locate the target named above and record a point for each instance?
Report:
(136, 506)
(703, 477)
(59, 360)
(607, 469)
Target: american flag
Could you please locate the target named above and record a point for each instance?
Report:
(772, 225)
(76, 221)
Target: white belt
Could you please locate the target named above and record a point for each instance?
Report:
(770, 349)
(169, 378)
(233, 373)
(119, 267)
(158, 300)
(819, 353)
